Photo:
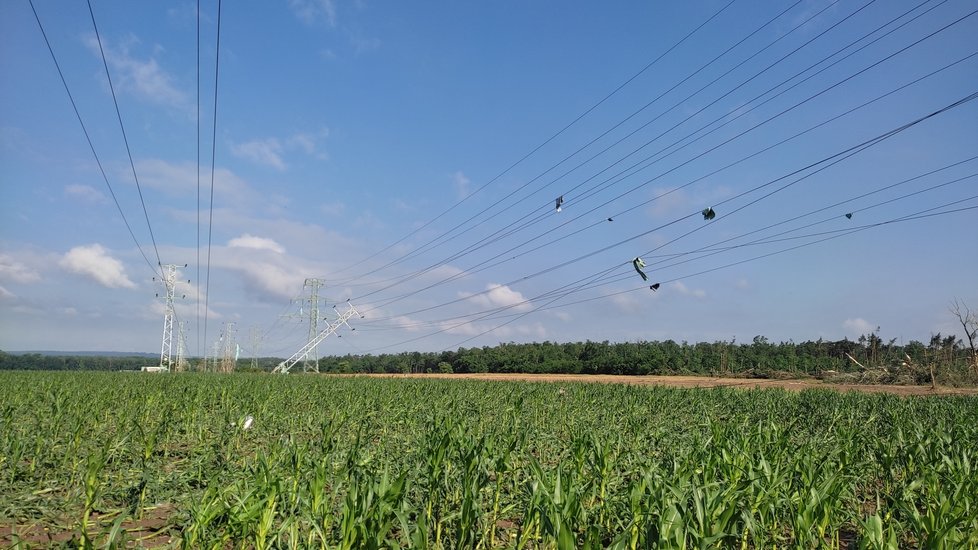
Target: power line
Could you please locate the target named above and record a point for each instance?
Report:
(431, 243)
(837, 157)
(551, 300)
(839, 233)
(125, 139)
(210, 219)
(712, 249)
(526, 184)
(88, 138)
(496, 236)
(199, 326)
(545, 142)
(482, 265)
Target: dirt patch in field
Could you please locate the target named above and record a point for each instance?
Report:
(150, 531)
(693, 382)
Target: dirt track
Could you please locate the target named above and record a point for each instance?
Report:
(695, 382)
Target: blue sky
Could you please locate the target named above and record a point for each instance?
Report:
(348, 132)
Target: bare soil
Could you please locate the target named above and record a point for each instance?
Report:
(150, 531)
(694, 382)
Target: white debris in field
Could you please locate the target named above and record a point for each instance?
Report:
(245, 424)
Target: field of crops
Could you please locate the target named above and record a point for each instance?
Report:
(166, 460)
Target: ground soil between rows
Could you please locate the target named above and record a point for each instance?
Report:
(692, 382)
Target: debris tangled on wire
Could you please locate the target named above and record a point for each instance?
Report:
(849, 215)
(638, 264)
(709, 214)
(560, 202)
(654, 287)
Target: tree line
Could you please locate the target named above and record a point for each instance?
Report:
(945, 357)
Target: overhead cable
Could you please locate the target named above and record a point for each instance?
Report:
(91, 145)
(125, 139)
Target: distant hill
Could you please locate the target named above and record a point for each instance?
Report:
(86, 353)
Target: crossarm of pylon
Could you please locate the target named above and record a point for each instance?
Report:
(285, 366)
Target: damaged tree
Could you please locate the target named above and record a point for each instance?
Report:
(969, 322)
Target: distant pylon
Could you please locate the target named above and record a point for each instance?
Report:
(311, 362)
(169, 283)
(255, 344)
(217, 349)
(230, 349)
(181, 364)
(331, 328)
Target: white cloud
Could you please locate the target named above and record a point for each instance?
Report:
(742, 284)
(143, 78)
(270, 151)
(183, 309)
(180, 179)
(562, 315)
(270, 280)
(858, 326)
(332, 208)
(256, 243)
(683, 289)
(363, 44)
(445, 271)
(403, 322)
(668, 202)
(626, 303)
(463, 328)
(12, 270)
(6, 294)
(811, 14)
(94, 262)
(85, 193)
(313, 11)
(461, 184)
(535, 330)
(267, 152)
(498, 295)
(309, 143)
(266, 274)
(369, 220)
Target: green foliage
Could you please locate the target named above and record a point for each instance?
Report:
(760, 359)
(424, 463)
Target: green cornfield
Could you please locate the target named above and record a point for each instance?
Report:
(258, 461)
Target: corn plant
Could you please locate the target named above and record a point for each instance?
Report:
(256, 461)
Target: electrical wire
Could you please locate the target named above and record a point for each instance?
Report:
(548, 304)
(431, 244)
(91, 145)
(548, 140)
(713, 249)
(482, 267)
(200, 339)
(125, 139)
(917, 216)
(837, 157)
(495, 237)
(210, 219)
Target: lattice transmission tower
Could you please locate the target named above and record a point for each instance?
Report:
(181, 364)
(309, 308)
(169, 280)
(255, 345)
(230, 354)
(285, 366)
